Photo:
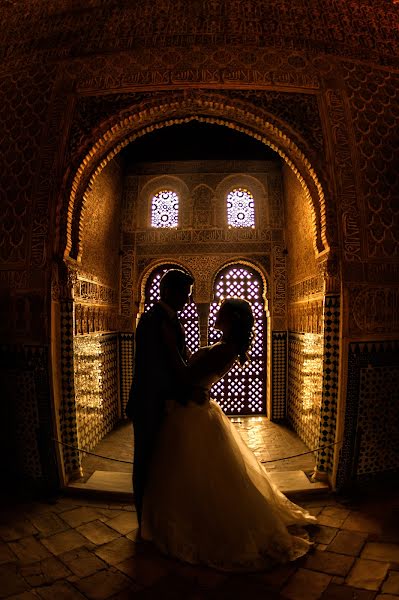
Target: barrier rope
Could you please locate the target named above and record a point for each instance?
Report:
(129, 462)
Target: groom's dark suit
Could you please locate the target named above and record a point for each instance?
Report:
(154, 382)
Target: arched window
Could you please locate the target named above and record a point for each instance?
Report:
(165, 209)
(242, 391)
(240, 208)
(188, 316)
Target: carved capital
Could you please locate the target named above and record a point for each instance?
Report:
(329, 269)
(63, 280)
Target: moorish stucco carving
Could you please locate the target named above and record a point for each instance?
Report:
(374, 309)
(120, 135)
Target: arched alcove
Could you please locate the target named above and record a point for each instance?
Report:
(306, 180)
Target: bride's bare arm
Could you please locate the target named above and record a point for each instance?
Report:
(217, 360)
(214, 361)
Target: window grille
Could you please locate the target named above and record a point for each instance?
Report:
(242, 391)
(165, 209)
(240, 208)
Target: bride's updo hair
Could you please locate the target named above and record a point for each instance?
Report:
(241, 318)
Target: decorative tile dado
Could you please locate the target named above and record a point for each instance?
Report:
(305, 380)
(370, 443)
(96, 377)
(126, 353)
(279, 375)
(67, 413)
(329, 400)
(29, 449)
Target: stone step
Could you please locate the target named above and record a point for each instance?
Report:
(119, 485)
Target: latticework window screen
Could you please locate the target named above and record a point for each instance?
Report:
(240, 208)
(242, 391)
(165, 209)
(188, 316)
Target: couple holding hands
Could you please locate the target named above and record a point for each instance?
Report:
(201, 494)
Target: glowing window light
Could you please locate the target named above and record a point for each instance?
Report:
(240, 208)
(165, 209)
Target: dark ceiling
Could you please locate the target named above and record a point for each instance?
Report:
(196, 141)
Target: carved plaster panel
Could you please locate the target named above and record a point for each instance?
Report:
(373, 309)
(212, 31)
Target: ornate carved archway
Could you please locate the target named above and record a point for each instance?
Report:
(178, 108)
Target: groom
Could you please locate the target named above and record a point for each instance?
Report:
(159, 342)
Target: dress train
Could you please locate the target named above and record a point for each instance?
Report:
(210, 501)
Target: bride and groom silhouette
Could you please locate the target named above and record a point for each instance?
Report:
(201, 494)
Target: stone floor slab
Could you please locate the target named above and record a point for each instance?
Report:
(61, 590)
(367, 574)
(6, 555)
(348, 542)
(124, 523)
(14, 531)
(278, 576)
(29, 550)
(48, 523)
(391, 585)
(103, 584)
(82, 562)
(97, 532)
(378, 551)
(144, 572)
(79, 516)
(305, 585)
(329, 562)
(346, 592)
(11, 582)
(362, 522)
(333, 516)
(203, 577)
(117, 551)
(324, 534)
(44, 572)
(29, 595)
(64, 541)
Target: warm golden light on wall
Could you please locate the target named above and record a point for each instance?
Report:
(312, 372)
(88, 372)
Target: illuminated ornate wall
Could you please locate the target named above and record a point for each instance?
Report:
(101, 227)
(305, 316)
(96, 310)
(325, 76)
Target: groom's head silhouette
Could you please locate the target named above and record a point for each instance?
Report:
(175, 288)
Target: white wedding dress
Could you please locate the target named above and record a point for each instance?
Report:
(209, 500)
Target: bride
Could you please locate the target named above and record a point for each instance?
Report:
(208, 499)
